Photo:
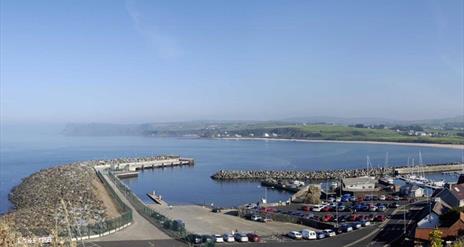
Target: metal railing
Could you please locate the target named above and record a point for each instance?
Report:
(173, 228)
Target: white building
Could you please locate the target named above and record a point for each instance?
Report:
(359, 184)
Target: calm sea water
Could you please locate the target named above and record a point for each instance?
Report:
(24, 152)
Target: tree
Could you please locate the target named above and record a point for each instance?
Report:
(435, 238)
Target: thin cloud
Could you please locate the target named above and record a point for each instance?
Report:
(166, 46)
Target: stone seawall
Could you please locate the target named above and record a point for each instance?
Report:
(330, 174)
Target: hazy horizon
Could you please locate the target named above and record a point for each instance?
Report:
(154, 61)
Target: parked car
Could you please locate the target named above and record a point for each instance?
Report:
(356, 225)
(342, 218)
(382, 197)
(394, 205)
(240, 237)
(252, 237)
(396, 198)
(341, 208)
(317, 208)
(216, 210)
(352, 217)
(306, 208)
(207, 239)
(373, 208)
(265, 219)
(328, 218)
(368, 198)
(359, 217)
(371, 217)
(379, 218)
(218, 238)
(345, 228)
(389, 198)
(308, 234)
(326, 209)
(295, 235)
(255, 217)
(375, 198)
(194, 239)
(365, 223)
(320, 235)
(381, 208)
(228, 237)
(329, 233)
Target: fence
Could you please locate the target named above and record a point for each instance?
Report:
(173, 228)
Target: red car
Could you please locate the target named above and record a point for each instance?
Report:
(379, 218)
(389, 198)
(306, 208)
(360, 199)
(326, 209)
(328, 218)
(253, 237)
(360, 218)
(353, 217)
(265, 209)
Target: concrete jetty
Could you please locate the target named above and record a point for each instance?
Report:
(430, 168)
(151, 163)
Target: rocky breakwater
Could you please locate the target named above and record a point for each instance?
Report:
(299, 175)
(55, 199)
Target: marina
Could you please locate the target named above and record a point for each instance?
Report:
(193, 182)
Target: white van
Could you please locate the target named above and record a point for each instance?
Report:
(308, 234)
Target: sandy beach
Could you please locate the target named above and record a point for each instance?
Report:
(433, 145)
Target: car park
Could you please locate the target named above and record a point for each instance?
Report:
(252, 237)
(308, 234)
(240, 237)
(295, 235)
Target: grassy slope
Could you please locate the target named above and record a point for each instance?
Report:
(338, 132)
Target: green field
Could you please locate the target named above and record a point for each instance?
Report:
(344, 133)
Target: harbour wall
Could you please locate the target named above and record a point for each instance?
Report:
(331, 174)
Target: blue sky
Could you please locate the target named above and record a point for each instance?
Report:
(145, 61)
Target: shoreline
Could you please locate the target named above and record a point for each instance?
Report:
(431, 145)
